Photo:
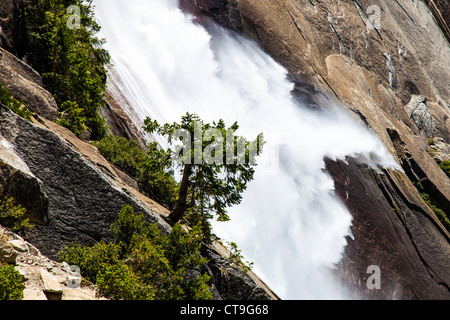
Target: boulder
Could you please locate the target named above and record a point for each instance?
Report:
(49, 281)
(7, 252)
(26, 85)
(19, 245)
(17, 182)
(394, 230)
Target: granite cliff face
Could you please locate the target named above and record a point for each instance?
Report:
(387, 62)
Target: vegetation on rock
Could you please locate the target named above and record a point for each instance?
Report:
(211, 179)
(151, 168)
(7, 99)
(11, 283)
(12, 215)
(142, 263)
(445, 166)
(71, 61)
(433, 204)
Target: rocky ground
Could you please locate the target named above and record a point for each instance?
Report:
(45, 279)
(393, 79)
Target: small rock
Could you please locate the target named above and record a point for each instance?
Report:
(50, 283)
(19, 245)
(33, 294)
(33, 250)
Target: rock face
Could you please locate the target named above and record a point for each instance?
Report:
(82, 200)
(11, 29)
(25, 188)
(44, 279)
(85, 194)
(225, 12)
(387, 63)
(393, 230)
(234, 283)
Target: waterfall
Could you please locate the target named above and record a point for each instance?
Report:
(290, 224)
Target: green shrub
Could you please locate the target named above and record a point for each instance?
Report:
(143, 263)
(119, 282)
(151, 169)
(445, 166)
(237, 258)
(433, 204)
(72, 118)
(12, 215)
(127, 226)
(14, 105)
(11, 283)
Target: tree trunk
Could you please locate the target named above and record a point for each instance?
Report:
(180, 208)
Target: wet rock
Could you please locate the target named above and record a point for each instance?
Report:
(224, 12)
(393, 78)
(82, 200)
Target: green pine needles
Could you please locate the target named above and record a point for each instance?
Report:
(143, 263)
(215, 166)
(13, 215)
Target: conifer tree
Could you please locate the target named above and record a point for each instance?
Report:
(215, 166)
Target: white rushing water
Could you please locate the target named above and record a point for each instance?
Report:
(290, 224)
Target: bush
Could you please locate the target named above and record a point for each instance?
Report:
(14, 105)
(143, 263)
(91, 260)
(72, 118)
(119, 282)
(11, 283)
(12, 215)
(151, 169)
(71, 61)
(445, 166)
